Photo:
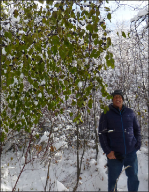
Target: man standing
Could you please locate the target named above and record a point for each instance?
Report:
(120, 138)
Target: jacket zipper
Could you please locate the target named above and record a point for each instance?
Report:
(123, 132)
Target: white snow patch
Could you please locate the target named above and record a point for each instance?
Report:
(21, 32)
(140, 14)
(22, 76)
(44, 138)
(3, 51)
(36, 102)
(80, 84)
(61, 187)
(40, 95)
(43, 82)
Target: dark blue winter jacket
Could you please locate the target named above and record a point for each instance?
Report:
(119, 131)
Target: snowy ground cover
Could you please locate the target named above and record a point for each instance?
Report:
(63, 173)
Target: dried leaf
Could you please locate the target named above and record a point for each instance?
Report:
(52, 148)
(38, 148)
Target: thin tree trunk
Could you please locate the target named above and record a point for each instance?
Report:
(77, 153)
(95, 131)
(79, 165)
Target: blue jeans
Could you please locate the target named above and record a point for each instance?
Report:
(115, 167)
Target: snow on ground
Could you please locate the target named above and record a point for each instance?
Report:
(62, 174)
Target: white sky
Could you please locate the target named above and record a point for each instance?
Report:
(126, 12)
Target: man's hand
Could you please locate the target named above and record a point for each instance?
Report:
(111, 155)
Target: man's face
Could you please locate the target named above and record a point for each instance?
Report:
(118, 101)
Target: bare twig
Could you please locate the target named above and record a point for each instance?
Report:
(47, 175)
(24, 163)
(119, 176)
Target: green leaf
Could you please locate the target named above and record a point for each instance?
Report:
(128, 35)
(73, 70)
(71, 114)
(55, 40)
(62, 52)
(8, 34)
(59, 29)
(90, 28)
(90, 102)
(93, 54)
(96, 41)
(108, 41)
(15, 13)
(79, 103)
(73, 102)
(61, 110)
(66, 82)
(107, 8)
(109, 63)
(50, 2)
(123, 34)
(139, 113)
(66, 97)
(109, 97)
(103, 26)
(37, 136)
(99, 67)
(94, 35)
(54, 14)
(109, 16)
(105, 110)
(92, 11)
(41, 1)
(95, 27)
(105, 34)
(2, 136)
(54, 49)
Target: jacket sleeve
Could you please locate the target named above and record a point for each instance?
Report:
(102, 132)
(137, 133)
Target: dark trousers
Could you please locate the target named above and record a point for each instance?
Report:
(115, 167)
